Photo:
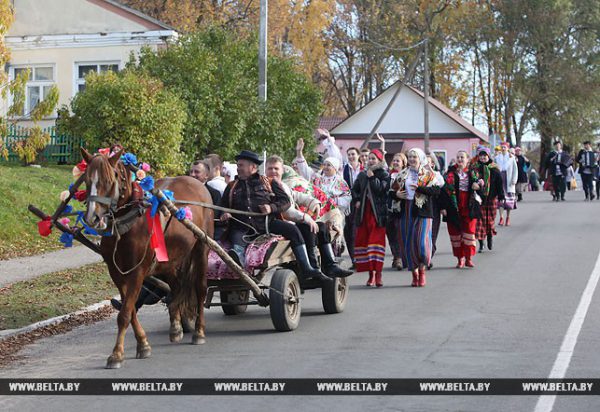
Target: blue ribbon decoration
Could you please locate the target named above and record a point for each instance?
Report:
(67, 239)
(86, 229)
(129, 159)
(68, 209)
(180, 215)
(147, 183)
(155, 201)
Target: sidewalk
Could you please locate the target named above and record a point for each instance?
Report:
(25, 268)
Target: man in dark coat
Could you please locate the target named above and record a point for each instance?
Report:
(557, 163)
(588, 168)
(251, 192)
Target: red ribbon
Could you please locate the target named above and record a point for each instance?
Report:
(80, 195)
(45, 227)
(157, 237)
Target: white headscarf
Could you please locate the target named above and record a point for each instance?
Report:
(335, 162)
(421, 155)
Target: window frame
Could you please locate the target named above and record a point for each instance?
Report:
(40, 84)
(77, 81)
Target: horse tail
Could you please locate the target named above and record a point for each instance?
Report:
(186, 300)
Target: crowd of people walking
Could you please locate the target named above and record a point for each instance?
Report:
(364, 201)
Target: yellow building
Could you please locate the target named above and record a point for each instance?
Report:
(60, 41)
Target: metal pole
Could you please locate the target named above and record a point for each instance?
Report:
(426, 95)
(262, 51)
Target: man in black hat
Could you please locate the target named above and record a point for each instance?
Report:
(255, 193)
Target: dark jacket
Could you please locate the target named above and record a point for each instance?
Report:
(521, 165)
(428, 209)
(446, 203)
(248, 195)
(346, 173)
(587, 161)
(552, 161)
(496, 186)
(373, 189)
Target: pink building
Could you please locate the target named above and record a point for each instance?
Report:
(403, 125)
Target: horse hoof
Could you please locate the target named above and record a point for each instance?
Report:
(143, 352)
(176, 337)
(198, 340)
(113, 363)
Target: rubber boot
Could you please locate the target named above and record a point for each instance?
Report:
(422, 277)
(307, 271)
(371, 281)
(378, 281)
(145, 297)
(461, 263)
(469, 262)
(481, 246)
(415, 281)
(490, 242)
(328, 264)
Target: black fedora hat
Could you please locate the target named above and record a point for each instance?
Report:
(248, 155)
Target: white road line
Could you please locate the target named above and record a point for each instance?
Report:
(545, 403)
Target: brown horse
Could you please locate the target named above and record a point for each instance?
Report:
(129, 256)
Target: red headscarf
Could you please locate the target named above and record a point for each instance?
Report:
(377, 154)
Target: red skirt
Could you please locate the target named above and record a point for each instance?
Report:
(369, 245)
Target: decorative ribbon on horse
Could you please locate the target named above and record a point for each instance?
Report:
(45, 226)
(157, 237)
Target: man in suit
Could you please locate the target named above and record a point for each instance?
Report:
(557, 163)
(588, 169)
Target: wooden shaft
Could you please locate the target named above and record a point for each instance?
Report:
(202, 236)
(65, 229)
(62, 206)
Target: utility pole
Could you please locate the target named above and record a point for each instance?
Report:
(262, 51)
(426, 94)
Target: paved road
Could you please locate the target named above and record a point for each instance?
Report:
(25, 268)
(504, 319)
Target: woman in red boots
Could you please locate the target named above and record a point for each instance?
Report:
(416, 187)
(460, 204)
(369, 197)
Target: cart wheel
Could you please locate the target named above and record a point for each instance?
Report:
(188, 324)
(334, 295)
(285, 300)
(235, 296)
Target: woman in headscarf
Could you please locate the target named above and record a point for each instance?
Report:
(416, 186)
(332, 184)
(490, 183)
(461, 209)
(507, 163)
(369, 198)
(392, 230)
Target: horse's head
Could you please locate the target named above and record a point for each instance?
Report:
(102, 177)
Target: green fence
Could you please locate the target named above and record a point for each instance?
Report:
(62, 149)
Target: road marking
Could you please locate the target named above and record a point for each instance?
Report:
(545, 403)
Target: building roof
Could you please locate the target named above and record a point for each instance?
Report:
(329, 123)
(35, 18)
(405, 118)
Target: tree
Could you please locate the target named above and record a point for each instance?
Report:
(134, 110)
(216, 74)
(28, 148)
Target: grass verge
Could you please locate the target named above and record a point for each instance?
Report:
(19, 187)
(54, 294)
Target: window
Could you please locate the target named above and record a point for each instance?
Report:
(41, 80)
(82, 69)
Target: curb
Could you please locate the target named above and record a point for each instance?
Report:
(5, 334)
